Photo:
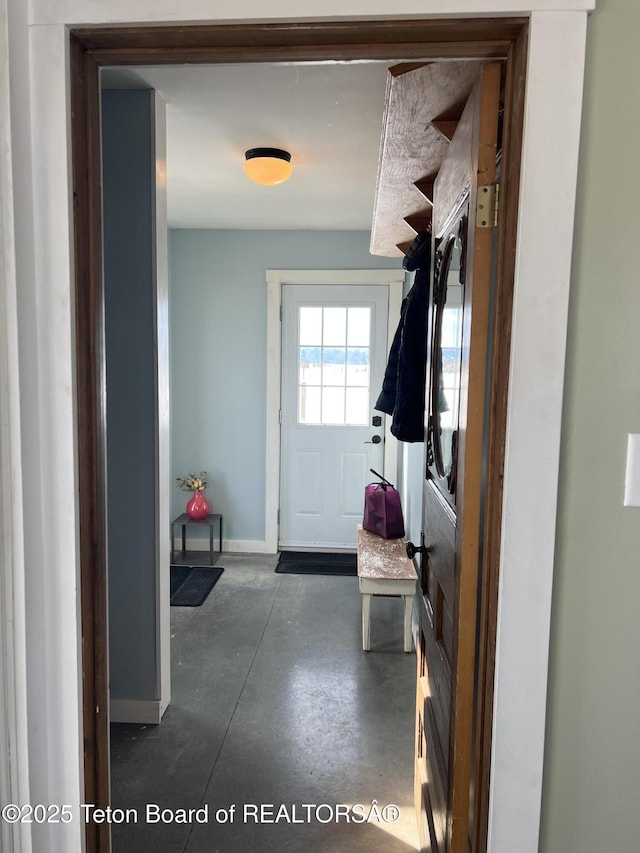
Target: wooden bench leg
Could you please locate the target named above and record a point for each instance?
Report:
(366, 624)
(408, 609)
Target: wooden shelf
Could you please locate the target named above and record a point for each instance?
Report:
(423, 104)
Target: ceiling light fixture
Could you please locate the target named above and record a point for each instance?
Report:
(267, 166)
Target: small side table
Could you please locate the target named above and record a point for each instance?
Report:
(184, 521)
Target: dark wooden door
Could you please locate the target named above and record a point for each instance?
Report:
(453, 486)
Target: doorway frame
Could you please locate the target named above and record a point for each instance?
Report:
(556, 63)
(92, 48)
(393, 280)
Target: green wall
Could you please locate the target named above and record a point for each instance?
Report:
(592, 767)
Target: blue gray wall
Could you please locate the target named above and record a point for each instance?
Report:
(218, 310)
(129, 215)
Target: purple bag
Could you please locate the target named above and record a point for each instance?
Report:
(382, 509)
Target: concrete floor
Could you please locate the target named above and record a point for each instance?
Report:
(274, 704)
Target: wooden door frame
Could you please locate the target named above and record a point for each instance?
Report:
(93, 47)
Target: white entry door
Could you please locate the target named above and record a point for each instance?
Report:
(334, 347)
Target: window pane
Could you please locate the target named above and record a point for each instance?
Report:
(451, 355)
(358, 374)
(334, 331)
(452, 326)
(357, 406)
(333, 375)
(333, 405)
(309, 362)
(333, 364)
(358, 366)
(309, 405)
(310, 326)
(311, 375)
(333, 353)
(359, 323)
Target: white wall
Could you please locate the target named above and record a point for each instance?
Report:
(412, 468)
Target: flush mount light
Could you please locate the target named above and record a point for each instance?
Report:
(267, 166)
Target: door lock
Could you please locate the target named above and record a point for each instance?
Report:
(375, 439)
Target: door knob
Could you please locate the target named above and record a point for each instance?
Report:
(375, 439)
(412, 550)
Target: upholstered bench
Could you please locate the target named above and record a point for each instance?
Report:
(384, 569)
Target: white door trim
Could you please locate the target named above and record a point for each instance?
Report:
(162, 421)
(120, 12)
(394, 279)
(14, 748)
(550, 145)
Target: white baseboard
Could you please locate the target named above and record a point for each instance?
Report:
(148, 711)
(239, 546)
(247, 546)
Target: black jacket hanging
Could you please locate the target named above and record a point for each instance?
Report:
(403, 388)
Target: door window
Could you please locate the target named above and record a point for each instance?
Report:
(334, 365)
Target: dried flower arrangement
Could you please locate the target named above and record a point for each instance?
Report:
(192, 482)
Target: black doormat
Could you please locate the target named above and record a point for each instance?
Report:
(179, 574)
(190, 585)
(317, 563)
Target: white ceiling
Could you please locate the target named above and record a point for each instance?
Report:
(328, 115)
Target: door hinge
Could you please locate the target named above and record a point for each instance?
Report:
(487, 206)
(279, 416)
(281, 313)
(278, 516)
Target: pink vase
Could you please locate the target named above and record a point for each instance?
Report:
(198, 506)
